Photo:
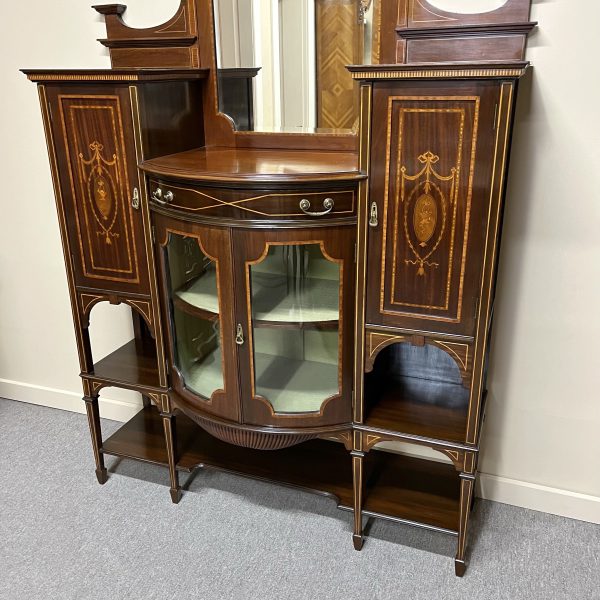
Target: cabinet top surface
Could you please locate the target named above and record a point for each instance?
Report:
(249, 165)
(450, 70)
(118, 75)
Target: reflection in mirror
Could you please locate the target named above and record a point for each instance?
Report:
(469, 7)
(282, 63)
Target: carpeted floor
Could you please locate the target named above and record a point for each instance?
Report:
(63, 536)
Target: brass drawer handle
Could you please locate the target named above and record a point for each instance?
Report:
(239, 335)
(305, 207)
(135, 201)
(373, 216)
(158, 196)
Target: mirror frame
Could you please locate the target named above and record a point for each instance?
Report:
(219, 127)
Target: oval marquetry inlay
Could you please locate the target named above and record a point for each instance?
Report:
(467, 7)
(424, 218)
(103, 196)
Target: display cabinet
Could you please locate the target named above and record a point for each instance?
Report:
(303, 297)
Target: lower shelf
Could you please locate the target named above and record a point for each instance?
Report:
(397, 487)
(132, 364)
(290, 385)
(393, 412)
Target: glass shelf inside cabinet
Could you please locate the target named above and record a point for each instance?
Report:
(196, 324)
(295, 300)
(296, 285)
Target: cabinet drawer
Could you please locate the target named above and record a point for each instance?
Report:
(254, 205)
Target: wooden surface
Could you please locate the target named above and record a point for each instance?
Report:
(98, 175)
(173, 44)
(250, 248)
(247, 205)
(412, 30)
(131, 364)
(397, 487)
(393, 412)
(236, 96)
(114, 75)
(432, 190)
(256, 166)
(481, 69)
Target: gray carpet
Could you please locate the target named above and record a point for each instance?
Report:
(63, 536)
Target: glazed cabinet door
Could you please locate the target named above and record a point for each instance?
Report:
(429, 203)
(294, 325)
(93, 133)
(196, 277)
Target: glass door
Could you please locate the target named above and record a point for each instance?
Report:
(199, 296)
(299, 298)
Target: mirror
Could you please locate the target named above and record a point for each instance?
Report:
(281, 63)
(468, 7)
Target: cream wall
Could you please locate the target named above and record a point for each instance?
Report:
(542, 441)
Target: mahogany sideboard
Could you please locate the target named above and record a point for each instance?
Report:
(298, 300)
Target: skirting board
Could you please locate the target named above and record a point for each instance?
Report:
(538, 497)
(491, 487)
(110, 408)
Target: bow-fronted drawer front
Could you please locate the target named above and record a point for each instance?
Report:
(251, 204)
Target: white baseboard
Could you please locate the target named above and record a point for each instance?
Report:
(110, 408)
(539, 497)
(491, 487)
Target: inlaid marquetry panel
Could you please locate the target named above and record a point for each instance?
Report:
(99, 179)
(427, 204)
(424, 250)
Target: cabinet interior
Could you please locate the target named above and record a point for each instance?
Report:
(417, 390)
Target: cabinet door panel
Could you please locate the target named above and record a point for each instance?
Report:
(94, 143)
(295, 322)
(197, 282)
(430, 182)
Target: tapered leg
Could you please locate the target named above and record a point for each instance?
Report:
(467, 484)
(93, 414)
(170, 441)
(357, 472)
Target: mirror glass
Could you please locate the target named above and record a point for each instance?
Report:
(468, 6)
(282, 63)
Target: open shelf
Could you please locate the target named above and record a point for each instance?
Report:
(397, 487)
(412, 489)
(132, 364)
(433, 404)
(411, 413)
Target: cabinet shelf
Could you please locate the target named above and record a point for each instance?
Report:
(290, 385)
(420, 407)
(133, 364)
(400, 488)
(315, 307)
(316, 302)
(294, 386)
(198, 298)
